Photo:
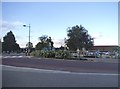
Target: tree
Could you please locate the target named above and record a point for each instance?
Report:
(78, 37)
(29, 45)
(45, 43)
(9, 43)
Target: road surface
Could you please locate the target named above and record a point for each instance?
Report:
(22, 71)
(29, 77)
(66, 65)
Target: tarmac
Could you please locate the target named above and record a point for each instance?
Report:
(110, 60)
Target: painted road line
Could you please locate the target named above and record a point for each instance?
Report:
(16, 56)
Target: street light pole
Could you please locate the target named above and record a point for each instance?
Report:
(29, 38)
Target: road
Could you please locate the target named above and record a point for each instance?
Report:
(39, 72)
(23, 77)
(66, 65)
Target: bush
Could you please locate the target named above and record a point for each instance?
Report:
(36, 53)
(46, 54)
(62, 54)
(51, 54)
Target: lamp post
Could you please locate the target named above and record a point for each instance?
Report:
(29, 38)
(65, 46)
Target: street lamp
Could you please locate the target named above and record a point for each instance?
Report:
(29, 38)
(65, 46)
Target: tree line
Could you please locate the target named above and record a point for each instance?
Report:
(78, 38)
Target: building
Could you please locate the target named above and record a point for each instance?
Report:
(104, 48)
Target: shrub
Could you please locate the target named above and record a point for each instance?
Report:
(51, 54)
(46, 54)
(62, 54)
(36, 53)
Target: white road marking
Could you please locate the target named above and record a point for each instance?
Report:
(13, 68)
(16, 56)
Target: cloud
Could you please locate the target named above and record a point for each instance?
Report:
(100, 39)
(97, 35)
(58, 42)
(106, 41)
(5, 25)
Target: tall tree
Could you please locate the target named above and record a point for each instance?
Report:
(45, 43)
(78, 37)
(9, 43)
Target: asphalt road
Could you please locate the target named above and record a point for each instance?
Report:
(66, 65)
(23, 71)
(29, 77)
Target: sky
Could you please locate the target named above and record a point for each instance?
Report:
(53, 19)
